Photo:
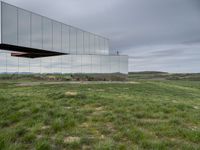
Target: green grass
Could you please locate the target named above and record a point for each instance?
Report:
(149, 114)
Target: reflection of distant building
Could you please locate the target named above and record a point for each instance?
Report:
(32, 43)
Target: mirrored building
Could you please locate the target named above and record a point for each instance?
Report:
(31, 43)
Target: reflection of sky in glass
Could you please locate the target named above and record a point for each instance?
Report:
(66, 64)
(96, 64)
(24, 28)
(63, 64)
(72, 40)
(114, 64)
(9, 24)
(65, 38)
(35, 65)
(36, 31)
(86, 63)
(105, 64)
(86, 43)
(40, 32)
(91, 42)
(80, 41)
(56, 36)
(24, 65)
(124, 64)
(2, 62)
(96, 44)
(56, 64)
(12, 64)
(76, 63)
(47, 34)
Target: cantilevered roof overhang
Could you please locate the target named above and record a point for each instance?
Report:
(29, 52)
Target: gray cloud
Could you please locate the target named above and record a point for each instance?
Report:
(157, 34)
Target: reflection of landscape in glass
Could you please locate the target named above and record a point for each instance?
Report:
(89, 53)
(63, 64)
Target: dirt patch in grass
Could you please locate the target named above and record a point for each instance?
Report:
(68, 107)
(45, 127)
(174, 101)
(74, 94)
(133, 82)
(71, 93)
(94, 109)
(86, 147)
(39, 136)
(85, 125)
(196, 107)
(100, 90)
(110, 127)
(102, 137)
(98, 110)
(27, 84)
(149, 120)
(71, 139)
(192, 126)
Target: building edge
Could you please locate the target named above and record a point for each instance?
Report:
(0, 21)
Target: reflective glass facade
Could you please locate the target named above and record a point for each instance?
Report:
(67, 49)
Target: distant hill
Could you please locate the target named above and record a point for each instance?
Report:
(157, 75)
(149, 72)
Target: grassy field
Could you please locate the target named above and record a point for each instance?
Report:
(138, 114)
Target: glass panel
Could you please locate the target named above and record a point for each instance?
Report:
(92, 44)
(106, 46)
(105, 64)
(46, 65)
(79, 42)
(12, 63)
(73, 63)
(86, 63)
(35, 65)
(9, 24)
(102, 45)
(108, 64)
(72, 40)
(96, 64)
(76, 64)
(3, 62)
(124, 64)
(65, 38)
(24, 65)
(114, 64)
(56, 64)
(96, 49)
(24, 28)
(66, 64)
(79, 57)
(47, 34)
(56, 36)
(86, 43)
(36, 31)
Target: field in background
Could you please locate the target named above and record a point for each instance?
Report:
(164, 76)
(64, 77)
(151, 110)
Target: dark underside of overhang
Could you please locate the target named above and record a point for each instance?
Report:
(27, 52)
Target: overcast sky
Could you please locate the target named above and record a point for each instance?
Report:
(161, 35)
